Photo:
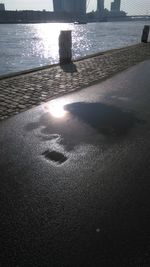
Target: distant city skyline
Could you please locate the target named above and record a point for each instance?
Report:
(130, 6)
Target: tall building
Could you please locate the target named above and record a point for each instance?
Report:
(100, 6)
(2, 7)
(115, 6)
(80, 6)
(57, 4)
(68, 5)
(71, 6)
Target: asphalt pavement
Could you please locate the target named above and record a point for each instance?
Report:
(75, 178)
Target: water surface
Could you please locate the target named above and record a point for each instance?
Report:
(25, 46)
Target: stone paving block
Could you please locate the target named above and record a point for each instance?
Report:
(21, 92)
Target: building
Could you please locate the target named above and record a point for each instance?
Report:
(2, 7)
(70, 6)
(57, 4)
(80, 6)
(116, 14)
(100, 6)
(115, 6)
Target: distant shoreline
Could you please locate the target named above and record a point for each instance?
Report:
(128, 19)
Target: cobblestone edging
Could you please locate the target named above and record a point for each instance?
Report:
(24, 91)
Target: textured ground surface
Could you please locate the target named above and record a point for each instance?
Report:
(28, 90)
(75, 190)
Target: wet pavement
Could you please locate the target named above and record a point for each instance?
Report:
(74, 178)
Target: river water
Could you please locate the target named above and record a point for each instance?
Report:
(25, 46)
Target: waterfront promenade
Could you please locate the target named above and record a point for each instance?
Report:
(28, 89)
(75, 191)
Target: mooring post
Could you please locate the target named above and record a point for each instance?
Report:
(65, 47)
(145, 34)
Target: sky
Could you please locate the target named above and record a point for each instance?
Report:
(130, 6)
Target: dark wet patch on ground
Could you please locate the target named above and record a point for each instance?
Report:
(55, 156)
(107, 119)
(93, 123)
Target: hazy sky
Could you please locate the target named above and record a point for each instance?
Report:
(130, 6)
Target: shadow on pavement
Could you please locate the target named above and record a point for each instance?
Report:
(70, 68)
(109, 121)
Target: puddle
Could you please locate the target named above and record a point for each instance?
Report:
(106, 119)
(93, 123)
(55, 156)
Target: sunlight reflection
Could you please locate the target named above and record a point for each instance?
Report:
(56, 108)
(48, 38)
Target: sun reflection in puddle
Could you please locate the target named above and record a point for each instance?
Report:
(56, 108)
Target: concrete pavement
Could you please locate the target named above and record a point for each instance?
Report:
(74, 178)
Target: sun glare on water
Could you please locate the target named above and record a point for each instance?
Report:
(48, 36)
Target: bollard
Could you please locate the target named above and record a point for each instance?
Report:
(65, 47)
(145, 34)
